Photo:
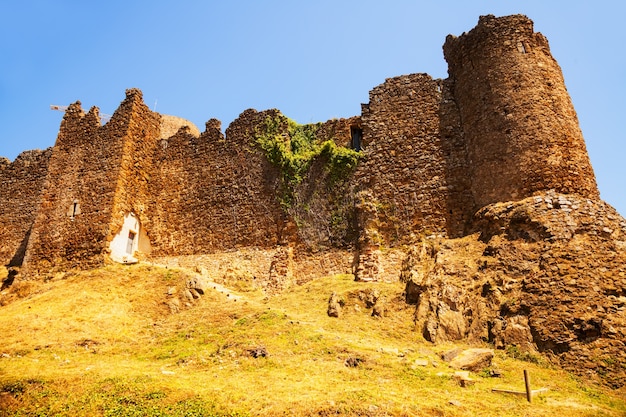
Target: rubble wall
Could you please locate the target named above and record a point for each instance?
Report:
(72, 224)
(97, 175)
(21, 182)
(214, 193)
(138, 133)
(323, 206)
(404, 167)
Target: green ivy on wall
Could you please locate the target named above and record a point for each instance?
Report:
(294, 150)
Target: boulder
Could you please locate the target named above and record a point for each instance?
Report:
(334, 305)
(379, 308)
(474, 360)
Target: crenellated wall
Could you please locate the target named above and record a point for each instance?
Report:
(214, 193)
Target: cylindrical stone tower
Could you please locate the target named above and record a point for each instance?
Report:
(519, 125)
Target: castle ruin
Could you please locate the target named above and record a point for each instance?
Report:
(432, 152)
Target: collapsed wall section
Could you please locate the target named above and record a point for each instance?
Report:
(21, 182)
(519, 124)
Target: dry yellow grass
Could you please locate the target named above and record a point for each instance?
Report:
(104, 343)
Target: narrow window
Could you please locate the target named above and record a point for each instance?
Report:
(74, 210)
(130, 243)
(357, 136)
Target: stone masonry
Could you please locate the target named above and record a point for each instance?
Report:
(21, 183)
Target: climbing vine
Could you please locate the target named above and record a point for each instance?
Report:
(294, 150)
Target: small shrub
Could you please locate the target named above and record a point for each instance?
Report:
(14, 388)
(514, 352)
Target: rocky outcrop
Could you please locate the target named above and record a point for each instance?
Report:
(545, 274)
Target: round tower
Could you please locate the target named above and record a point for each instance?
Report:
(519, 125)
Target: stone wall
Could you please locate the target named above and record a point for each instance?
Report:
(500, 128)
(519, 125)
(137, 128)
(323, 207)
(339, 130)
(72, 223)
(404, 165)
(214, 193)
(250, 267)
(21, 182)
(96, 175)
(459, 198)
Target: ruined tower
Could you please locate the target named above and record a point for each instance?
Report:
(518, 122)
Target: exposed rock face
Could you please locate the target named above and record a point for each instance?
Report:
(547, 274)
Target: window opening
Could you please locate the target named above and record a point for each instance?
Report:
(74, 210)
(130, 243)
(357, 137)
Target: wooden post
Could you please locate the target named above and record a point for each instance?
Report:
(529, 393)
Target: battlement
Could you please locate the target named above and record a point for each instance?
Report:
(430, 154)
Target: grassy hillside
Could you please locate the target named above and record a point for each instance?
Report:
(105, 342)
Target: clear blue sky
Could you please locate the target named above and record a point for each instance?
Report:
(313, 60)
